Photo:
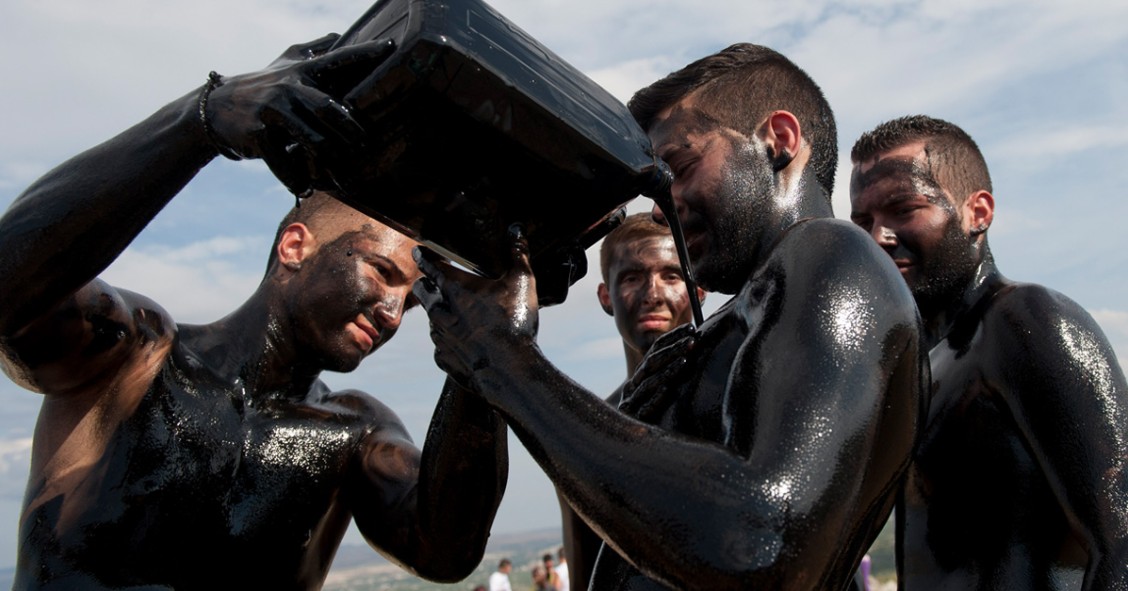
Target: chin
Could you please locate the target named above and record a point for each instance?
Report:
(343, 361)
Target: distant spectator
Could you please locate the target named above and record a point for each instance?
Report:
(562, 569)
(499, 580)
(480, 588)
(550, 573)
(540, 578)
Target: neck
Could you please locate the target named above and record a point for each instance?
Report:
(634, 358)
(940, 321)
(799, 197)
(254, 347)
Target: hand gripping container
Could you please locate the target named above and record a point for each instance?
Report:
(473, 126)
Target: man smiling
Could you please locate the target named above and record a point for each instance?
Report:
(1021, 477)
(185, 457)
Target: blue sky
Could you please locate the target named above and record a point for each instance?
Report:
(1041, 85)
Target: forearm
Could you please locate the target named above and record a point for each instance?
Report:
(636, 483)
(72, 223)
(463, 474)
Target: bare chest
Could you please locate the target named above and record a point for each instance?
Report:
(192, 474)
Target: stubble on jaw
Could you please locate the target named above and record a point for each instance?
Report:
(741, 201)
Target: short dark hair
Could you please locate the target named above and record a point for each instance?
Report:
(305, 211)
(504, 562)
(634, 227)
(958, 165)
(740, 85)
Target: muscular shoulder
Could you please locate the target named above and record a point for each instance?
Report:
(378, 416)
(831, 264)
(1043, 329)
(90, 340)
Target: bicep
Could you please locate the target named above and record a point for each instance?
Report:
(382, 493)
(84, 337)
(827, 398)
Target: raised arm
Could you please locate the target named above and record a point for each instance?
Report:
(71, 224)
(806, 467)
(68, 226)
(432, 511)
(1070, 400)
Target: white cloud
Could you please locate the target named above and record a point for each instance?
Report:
(1059, 139)
(15, 458)
(1114, 323)
(195, 283)
(1022, 76)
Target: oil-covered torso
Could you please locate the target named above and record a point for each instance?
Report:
(195, 482)
(979, 510)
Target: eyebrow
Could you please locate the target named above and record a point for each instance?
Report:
(692, 119)
(394, 268)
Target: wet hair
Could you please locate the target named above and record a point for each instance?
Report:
(739, 86)
(317, 211)
(635, 227)
(955, 159)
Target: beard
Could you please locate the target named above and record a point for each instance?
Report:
(947, 271)
(741, 202)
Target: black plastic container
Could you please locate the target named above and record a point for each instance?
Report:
(474, 126)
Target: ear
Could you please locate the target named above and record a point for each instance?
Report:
(294, 245)
(700, 295)
(605, 299)
(979, 209)
(784, 137)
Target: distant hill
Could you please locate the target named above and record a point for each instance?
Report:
(360, 568)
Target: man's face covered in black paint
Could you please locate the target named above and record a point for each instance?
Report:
(897, 199)
(723, 187)
(351, 293)
(645, 291)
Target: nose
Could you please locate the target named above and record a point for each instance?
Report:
(653, 289)
(883, 235)
(388, 312)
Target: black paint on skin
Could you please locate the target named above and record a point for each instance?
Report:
(945, 269)
(785, 422)
(211, 456)
(1020, 480)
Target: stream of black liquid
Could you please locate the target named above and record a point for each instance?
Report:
(665, 202)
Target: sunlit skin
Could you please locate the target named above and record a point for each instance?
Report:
(171, 456)
(1020, 479)
(760, 451)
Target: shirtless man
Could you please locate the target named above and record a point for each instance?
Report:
(644, 292)
(778, 433)
(1021, 478)
(213, 457)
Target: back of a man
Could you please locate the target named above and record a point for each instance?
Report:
(775, 437)
(1020, 480)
